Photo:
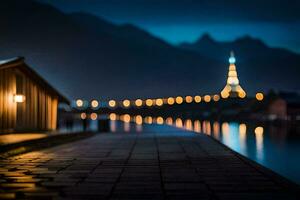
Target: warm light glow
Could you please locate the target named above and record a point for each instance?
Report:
(94, 103)
(148, 120)
(126, 118)
(197, 99)
(243, 129)
(112, 103)
(259, 96)
(242, 94)
(224, 94)
(259, 130)
(232, 87)
(169, 121)
(83, 115)
(79, 103)
(178, 123)
(149, 102)
(138, 102)
(179, 100)
(171, 100)
(19, 98)
(216, 129)
(188, 125)
(207, 98)
(139, 119)
(94, 116)
(126, 103)
(159, 102)
(216, 97)
(112, 116)
(189, 99)
(197, 126)
(159, 120)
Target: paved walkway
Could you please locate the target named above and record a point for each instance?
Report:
(157, 163)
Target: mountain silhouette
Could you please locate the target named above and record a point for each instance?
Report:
(85, 56)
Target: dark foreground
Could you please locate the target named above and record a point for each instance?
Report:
(159, 162)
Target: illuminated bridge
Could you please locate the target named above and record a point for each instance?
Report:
(231, 98)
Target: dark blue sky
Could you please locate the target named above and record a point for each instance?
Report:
(277, 22)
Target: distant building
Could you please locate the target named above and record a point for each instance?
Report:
(27, 101)
(233, 88)
(282, 106)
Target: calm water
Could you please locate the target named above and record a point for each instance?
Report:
(276, 148)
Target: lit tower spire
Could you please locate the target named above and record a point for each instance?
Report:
(233, 88)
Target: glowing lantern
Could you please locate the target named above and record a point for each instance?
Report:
(19, 98)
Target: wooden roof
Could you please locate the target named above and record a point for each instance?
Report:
(19, 62)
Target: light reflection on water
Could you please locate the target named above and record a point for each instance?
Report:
(268, 145)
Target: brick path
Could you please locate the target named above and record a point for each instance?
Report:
(159, 163)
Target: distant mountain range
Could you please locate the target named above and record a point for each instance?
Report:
(85, 56)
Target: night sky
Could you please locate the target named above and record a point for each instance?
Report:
(277, 22)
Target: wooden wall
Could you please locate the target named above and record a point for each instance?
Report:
(38, 112)
(7, 106)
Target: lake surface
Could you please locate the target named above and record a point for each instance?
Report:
(275, 147)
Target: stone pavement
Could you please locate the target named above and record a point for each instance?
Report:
(158, 163)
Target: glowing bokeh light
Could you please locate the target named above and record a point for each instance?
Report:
(126, 118)
(169, 121)
(178, 123)
(126, 103)
(159, 102)
(148, 120)
(259, 130)
(94, 116)
(207, 98)
(79, 103)
(179, 100)
(83, 116)
(159, 120)
(138, 102)
(149, 102)
(197, 99)
(189, 99)
(112, 103)
(171, 100)
(94, 103)
(259, 96)
(112, 116)
(216, 97)
(139, 119)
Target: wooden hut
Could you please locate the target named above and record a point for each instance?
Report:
(27, 101)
